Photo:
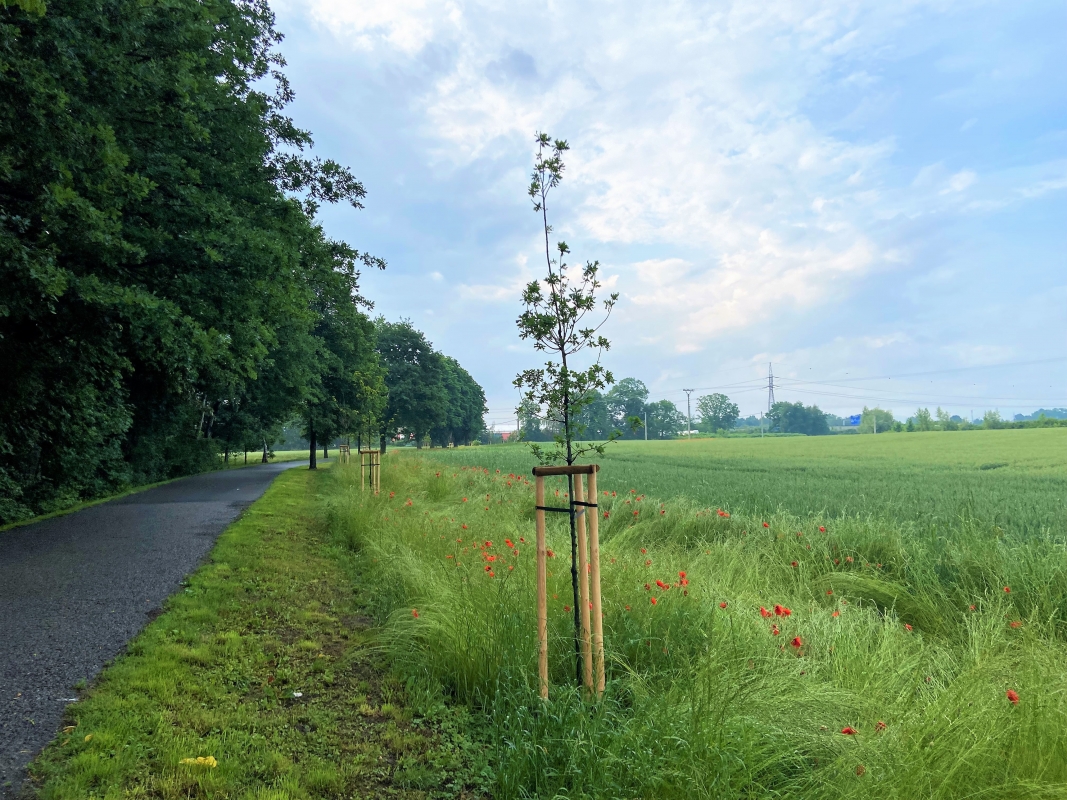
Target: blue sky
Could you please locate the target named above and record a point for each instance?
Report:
(856, 192)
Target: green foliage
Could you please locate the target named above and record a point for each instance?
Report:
(554, 323)
(717, 412)
(876, 420)
(166, 294)
(795, 418)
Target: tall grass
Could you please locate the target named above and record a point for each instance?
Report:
(703, 700)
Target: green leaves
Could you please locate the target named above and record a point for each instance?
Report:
(554, 320)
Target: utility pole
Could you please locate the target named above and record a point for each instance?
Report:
(770, 387)
(688, 413)
(646, 426)
(761, 424)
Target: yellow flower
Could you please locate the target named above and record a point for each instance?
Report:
(203, 761)
(87, 738)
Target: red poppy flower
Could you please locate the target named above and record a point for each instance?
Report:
(1013, 696)
(829, 591)
(567, 609)
(648, 588)
(464, 526)
(822, 529)
(722, 604)
(848, 559)
(764, 612)
(652, 600)
(836, 614)
(627, 607)
(605, 515)
(550, 554)
(907, 626)
(795, 565)
(492, 574)
(643, 551)
(648, 563)
(511, 567)
(972, 608)
(766, 525)
(509, 544)
(636, 513)
(779, 610)
(683, 582)
(464, 499)
(662, 585)
(522, 539)
(1016, 624)
(849, 731)
(796, 642)
(774, 630)
(681, 574)
(1007, 589)
(415, 613)
(879, 725)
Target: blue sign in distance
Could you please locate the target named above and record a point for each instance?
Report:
(854, 419)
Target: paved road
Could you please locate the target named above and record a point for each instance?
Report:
(75, 589)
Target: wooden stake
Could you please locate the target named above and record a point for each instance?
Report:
(594, 557)
(542, 588)
(362, 472)
(583, 589)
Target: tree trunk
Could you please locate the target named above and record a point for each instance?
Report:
(311, 438)
(325, 454)
(384, 444)
(264, 452)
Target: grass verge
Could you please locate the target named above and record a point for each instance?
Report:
(268, 668)
(748, 656)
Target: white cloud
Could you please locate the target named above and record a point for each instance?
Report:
(962, 180)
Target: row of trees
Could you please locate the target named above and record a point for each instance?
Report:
(165, 291)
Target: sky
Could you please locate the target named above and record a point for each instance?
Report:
(869, 196)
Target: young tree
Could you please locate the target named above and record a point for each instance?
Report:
(554, 318)
(923, 420)
(716, 411)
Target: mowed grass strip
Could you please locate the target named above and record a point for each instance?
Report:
(266, 668)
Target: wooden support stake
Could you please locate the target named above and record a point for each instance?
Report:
(542, 588)
(594, 558)
(362, 472)
(583, 590)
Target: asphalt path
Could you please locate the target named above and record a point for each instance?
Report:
(75, 589)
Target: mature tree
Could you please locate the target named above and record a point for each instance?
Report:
(594, 420)
(415, 375)
(923, 420)
(626, 402)
(465, 415)
(876, 420)
(664, 420)
(717, 412)
(151, 247)
(795, 418)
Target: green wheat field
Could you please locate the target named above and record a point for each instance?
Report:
(912, 640)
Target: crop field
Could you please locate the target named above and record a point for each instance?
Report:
(769, 631)
(1016, 479)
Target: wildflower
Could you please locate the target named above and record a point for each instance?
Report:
(648, 562)
(1007, 590)
(766, 525)
(795, 565)
(648, 588)
(447, 557)
(764, 612)
(861, 770)
(605, 515)
(636, 512)
(200, 761)
(848, 559)
(782, 611)
(796, 642)
(511, 567)
(1013, 696)
(972, 608)
(681, 574)
(822, 529)
(567, 609)
(907, 626)
(879, 725)
(683, 582)
(849, 731)
(662, 585)
(522, 540)
(464, 499)
(627, 607)
(836, 613)
(1016, 624)
(415, 613)
(774, 630)
(488, 544)
(550, 554)
(829, 591)
(492, 574)
(510, 544)
(488, 568)
(408, 503)
(653, 599)
(662, 511)
(392, 495)
(643, 551)
(464, 526)
(837, 561)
